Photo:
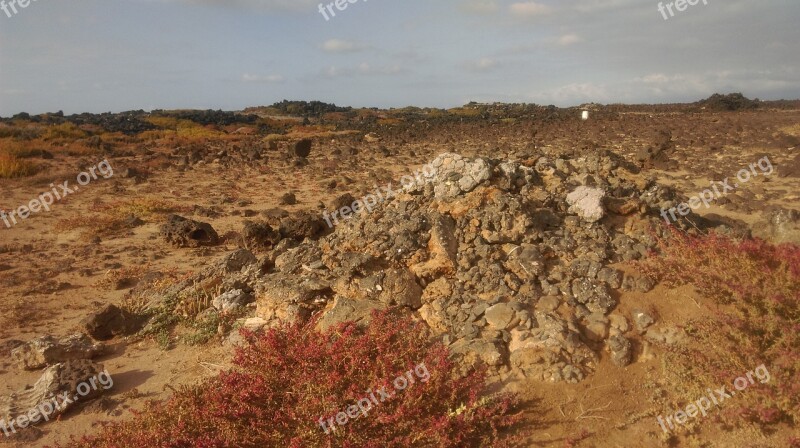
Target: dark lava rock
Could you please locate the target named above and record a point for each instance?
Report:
(111, 321)
(302, 225)
(182, 232)
(260, 235)
(288, 199)
(302, 148)
(346, 199)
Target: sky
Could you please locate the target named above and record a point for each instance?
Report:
(117, 55)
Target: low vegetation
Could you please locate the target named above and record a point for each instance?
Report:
(287, 378)
(755, 287)
(11, 167)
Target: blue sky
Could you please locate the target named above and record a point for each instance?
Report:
(115, 55)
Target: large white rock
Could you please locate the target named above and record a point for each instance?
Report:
(587, 202)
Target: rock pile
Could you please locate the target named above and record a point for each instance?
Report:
(509, 262)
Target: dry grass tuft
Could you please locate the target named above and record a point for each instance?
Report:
(12, 167)
(113, 218)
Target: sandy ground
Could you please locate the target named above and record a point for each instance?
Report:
(51, 279)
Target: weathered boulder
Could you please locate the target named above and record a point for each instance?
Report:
(289, 298)
(48, 350)
(231, 300)
(642, 319)
(780, 226)
(348, 310)
(456, 175)
(66, 383)
(302, 225)
(260, 235)
(390, 286)
(112, 321)
(478, 351)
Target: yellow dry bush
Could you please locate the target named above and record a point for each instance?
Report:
(64, 131)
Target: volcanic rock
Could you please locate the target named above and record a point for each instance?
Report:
(183, 232)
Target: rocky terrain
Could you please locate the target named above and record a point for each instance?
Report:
(518, 246)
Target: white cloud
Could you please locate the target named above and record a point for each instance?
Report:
(341, 46)
(482, 65)
(569, 39)
(247, 77)
(529, 9)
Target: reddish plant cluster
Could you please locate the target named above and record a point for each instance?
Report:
(758, 287)
(287, 378)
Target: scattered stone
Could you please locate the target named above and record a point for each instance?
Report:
(623, 207)
(548, 303)
(455, 175)
(133, 221)
(620, 349)
(641, 319)
(619, 323)
(344, 200)
(593, 295)
(500, 316)
(643, 284)
(235, 261)
(666, 335)
(254, 324)
(132, 173)
(289, 298)
(442, 247)
(596, 329)
(288, 199)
